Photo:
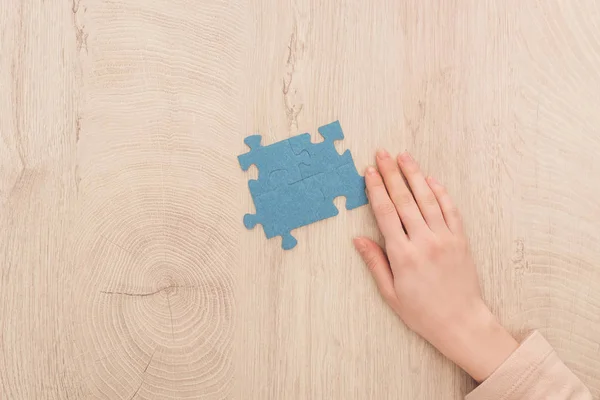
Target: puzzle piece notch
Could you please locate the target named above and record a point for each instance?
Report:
(268, 159)
(323, 156)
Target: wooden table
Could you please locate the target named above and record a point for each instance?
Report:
(125, 270)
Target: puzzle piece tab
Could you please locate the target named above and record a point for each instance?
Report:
(298, 181)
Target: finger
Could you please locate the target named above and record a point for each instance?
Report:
(422, 193)
(401, 197)
(449, 210)
(385, 213)
(378, 265)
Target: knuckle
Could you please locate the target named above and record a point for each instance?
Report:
(389, 294)
(434, 247)
(403, 199)
(448, 239)
(441, 190)
(408, 257)
(384, 208)
(454, 211)
(376, 185)
(394, 250)
(394, 244)
(436, 243)
(429, 199)
(371, 261)
(375, 182)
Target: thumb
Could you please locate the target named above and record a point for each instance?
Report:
(379, 266)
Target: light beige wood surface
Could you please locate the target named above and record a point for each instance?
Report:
(126, 272)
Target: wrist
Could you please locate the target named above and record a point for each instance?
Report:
(478, 343)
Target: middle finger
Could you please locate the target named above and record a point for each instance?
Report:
(405, 204)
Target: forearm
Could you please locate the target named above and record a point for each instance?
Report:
(476, 342)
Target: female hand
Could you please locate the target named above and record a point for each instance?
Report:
(426, 273)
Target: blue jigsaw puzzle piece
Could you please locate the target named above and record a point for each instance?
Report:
(274, 160)
(323, 156)
(343, 181)
(289, 207)
(352, 186)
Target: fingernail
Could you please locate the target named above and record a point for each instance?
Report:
(371, 171)
(406, 156)
(381, 154)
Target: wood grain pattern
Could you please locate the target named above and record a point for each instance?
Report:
(125, 268)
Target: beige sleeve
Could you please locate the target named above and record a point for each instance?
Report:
(532, 372)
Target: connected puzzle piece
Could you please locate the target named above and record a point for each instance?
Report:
(270, 161)
(298, 181)
(289, 207)
(342, 181)
(323, 156)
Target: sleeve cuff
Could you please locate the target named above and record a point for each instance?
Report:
(517, 370)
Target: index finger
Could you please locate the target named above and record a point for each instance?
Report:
(385, 212)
